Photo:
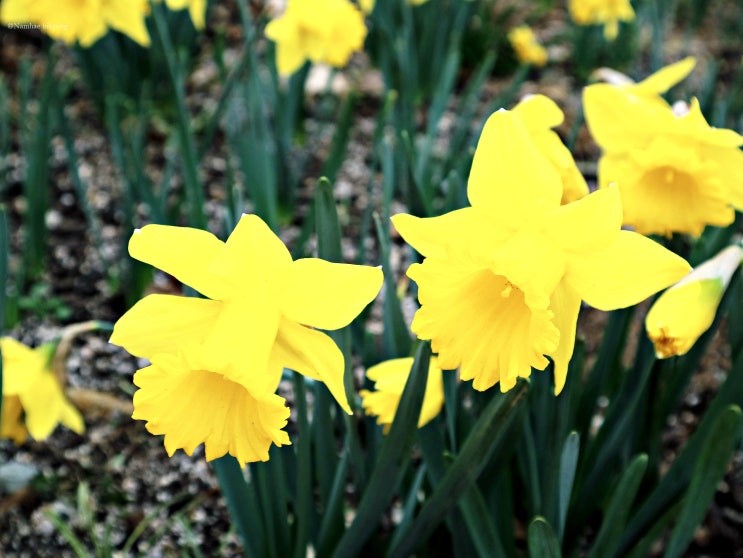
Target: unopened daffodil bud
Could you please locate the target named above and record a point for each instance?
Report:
(687, 309)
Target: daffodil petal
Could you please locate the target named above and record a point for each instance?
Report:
(191, 407)
(433, 236)
(312, 354)
(508, 173)
(327, 295)
(42, 405)
(539, 112)
(620, 120)
(184, 253)
(665, 78)
(162, 323)
(565, 305)
(253, 252)
(22, 366)
(11, 423)
(587, 224)
(626, 272)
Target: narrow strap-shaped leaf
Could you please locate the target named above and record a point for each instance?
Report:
(675, 481)
(708, 470)
(393, 455)
(194, 191)
(542, 540)
(330, 531)
(568, 465)
(475, 517)
(619, 508)
(4, 245)
(395, 336)
(241, 503)
(484, 438)
(303, 497)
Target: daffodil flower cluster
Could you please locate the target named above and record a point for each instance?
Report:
(675, 172)
(502, 281)
(602, 12)
(86, 21)
(327, 31)
(216, 362)
(33, 400)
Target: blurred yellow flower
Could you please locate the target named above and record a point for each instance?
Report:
(540, 114)
(196, 9)
(675, 172)
(502, 281)
(526, 46)
(367, 6)
(686, 310)
(30, 387)
(83, 21)
(181, 397)
(262, 310)
(606, 12)
(389, 379)
(327, 31)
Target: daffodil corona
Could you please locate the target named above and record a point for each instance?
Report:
(686, 310)
(259, 318)
(502, 281)
(389, 379)
(676, 174)
(83, 21)
(327, 31)
(33, 400)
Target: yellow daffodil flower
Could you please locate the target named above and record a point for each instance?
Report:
(83, 21)
(327, 31)
(674, 171)
(196, 9)
(526, 46)
(389, 379)
(183, 399)
(30, 386)
(606, 12)
(259, 319)
(686, 310)
(539, 115)
(502, 281)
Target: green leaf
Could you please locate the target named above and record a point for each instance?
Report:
(393, 456)
(619, 509)
(678, 477)
(395, 336)
(568, 465)
(244, 511)
(542, 541)
(3, 283)
(708, 470)
(486, 435)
